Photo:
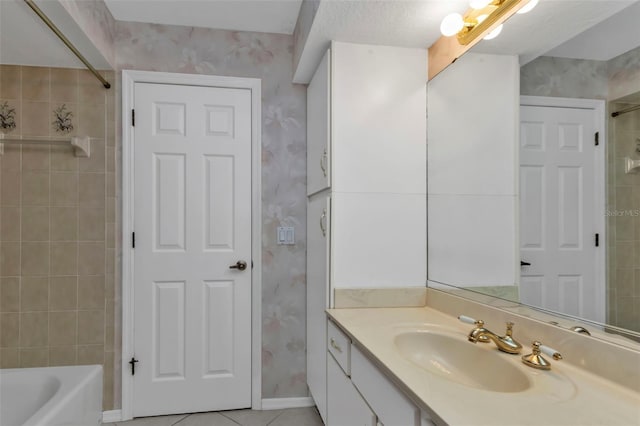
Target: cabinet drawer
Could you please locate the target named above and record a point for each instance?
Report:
(339, 345)
(345, 406)
(389, 404)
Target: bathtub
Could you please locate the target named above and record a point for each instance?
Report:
(51, 396)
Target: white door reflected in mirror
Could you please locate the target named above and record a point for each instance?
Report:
(561, 210)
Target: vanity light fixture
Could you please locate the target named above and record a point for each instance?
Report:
(494, 33)
(528, 7)
(481, 17)
(479, 4)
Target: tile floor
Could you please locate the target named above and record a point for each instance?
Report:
(291, 417)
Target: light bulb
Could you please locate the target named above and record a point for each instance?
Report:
(481, 18)
(495, 33)
(528, 7)
(479, 4)
(451, 24)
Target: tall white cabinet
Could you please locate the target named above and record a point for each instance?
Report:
(366, 182)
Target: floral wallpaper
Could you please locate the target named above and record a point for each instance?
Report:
(564, 77)
(624, 74)
(181, 49)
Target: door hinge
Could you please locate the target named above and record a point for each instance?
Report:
(133, 365)
(597, 138)
(133, 240)
(597, 240)
(133, 117)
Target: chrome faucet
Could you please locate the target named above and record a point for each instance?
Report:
(505, 343)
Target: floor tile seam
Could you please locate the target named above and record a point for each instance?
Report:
(185, 417)
(276, 417)
(224, 415)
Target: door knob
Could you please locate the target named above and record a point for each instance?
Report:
(240, 264)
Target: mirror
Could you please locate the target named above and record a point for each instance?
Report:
(534, 188)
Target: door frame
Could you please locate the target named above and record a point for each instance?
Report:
(129, 79)
(598, 107)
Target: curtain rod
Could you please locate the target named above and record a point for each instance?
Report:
(67, 42)
(624, 111)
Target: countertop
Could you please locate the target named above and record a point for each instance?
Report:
(565, 395)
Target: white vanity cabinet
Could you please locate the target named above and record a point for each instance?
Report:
(318, 230)
(358, 393)
(366, 153)
(346, 407)
(389, 404)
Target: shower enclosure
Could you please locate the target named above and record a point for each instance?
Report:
(623, 213)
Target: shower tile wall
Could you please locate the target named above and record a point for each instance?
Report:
(57, 225)
(624, 221)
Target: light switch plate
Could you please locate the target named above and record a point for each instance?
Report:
(286, 235)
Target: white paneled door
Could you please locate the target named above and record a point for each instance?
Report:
(559, 208)
(192, 221)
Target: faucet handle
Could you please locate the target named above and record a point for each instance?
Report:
(536, 360)
(550, 352)
(509, 331)
(468, 320)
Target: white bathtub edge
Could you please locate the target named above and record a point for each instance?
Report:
(111, 416)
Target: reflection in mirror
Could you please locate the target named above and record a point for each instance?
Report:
(552, 221)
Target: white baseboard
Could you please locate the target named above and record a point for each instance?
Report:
(281, 403)
(267, 404)
(111, 416)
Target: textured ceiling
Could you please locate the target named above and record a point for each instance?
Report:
(404, 23)
(267, 16)
(408, 23)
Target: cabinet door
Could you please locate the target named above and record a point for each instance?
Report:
(345, 405)
(317, 299)
(389, 404)
(318, 128)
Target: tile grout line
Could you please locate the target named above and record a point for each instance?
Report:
(185, 417)
(227, 417)
(20, 230)
(276, 417)
(48, 151)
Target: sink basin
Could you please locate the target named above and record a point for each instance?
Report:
(451, 356)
